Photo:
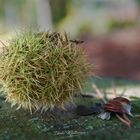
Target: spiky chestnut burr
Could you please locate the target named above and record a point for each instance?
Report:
(42, 70)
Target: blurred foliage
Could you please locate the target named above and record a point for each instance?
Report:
(85, 29)
(138, 2)
(3, 3)
(59, 9)
(114, 24)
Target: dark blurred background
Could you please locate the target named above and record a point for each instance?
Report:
(110, 29)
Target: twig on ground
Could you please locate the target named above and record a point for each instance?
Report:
(99, 93)
(123, 92)
(88, 95)
(114, 89)
(124, 120)
(137, 116)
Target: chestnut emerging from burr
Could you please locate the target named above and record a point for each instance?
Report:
(120, 106)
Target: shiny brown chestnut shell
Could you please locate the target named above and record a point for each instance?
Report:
(116, 105)
(122, 100)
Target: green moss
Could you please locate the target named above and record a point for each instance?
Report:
(20, 125)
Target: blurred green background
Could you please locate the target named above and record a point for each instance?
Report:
(74, 16)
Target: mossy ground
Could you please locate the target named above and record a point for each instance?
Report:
(20, 125)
